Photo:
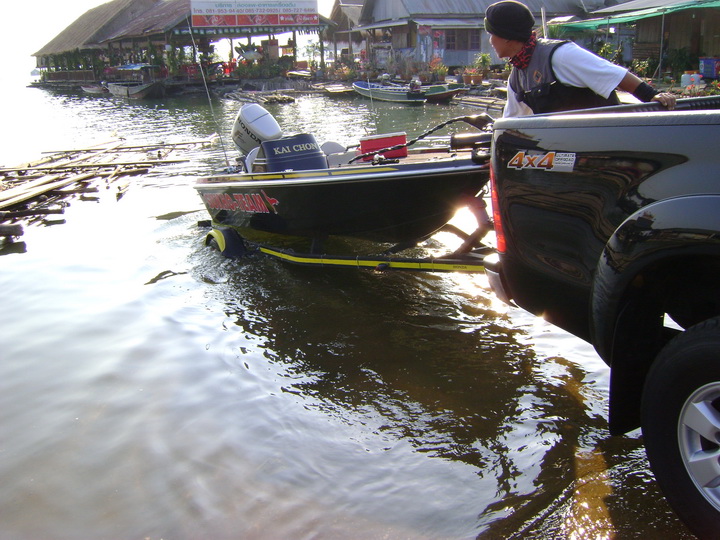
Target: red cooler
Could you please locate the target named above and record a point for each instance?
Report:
(377, 142)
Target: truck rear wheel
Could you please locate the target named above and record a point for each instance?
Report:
(681, 425)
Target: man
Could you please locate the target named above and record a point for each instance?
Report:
(551, 75)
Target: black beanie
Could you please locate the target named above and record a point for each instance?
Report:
(509, 20)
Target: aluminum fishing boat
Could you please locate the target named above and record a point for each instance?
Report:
(381, 191)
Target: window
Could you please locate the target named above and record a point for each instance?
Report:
(462, 40)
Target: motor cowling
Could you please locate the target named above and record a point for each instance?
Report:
(254, 125)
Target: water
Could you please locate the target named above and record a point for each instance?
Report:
(151, 388)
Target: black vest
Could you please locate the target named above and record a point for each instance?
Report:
(538, 87)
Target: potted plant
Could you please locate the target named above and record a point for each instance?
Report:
(472, 75)
(482, 63)
(438, 69)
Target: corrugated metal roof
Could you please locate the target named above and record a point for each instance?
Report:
(632, 16)
(450, 23)
(636, 5)
(374, 11)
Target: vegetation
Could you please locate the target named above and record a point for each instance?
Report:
(482, 62)
(679, 61)
(437, 68)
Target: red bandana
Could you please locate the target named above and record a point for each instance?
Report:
(522, 59)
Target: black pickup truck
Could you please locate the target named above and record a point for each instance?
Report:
(608, 225)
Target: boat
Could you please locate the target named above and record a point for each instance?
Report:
(388, 92)
(95, 89)
(133, 90)
(335, 90)
(137, 81)
(378, 191)
(442, 93)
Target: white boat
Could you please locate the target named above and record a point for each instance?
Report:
(134, 90)
(95, 89)
(137, 81)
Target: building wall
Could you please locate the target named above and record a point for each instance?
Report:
(693, 29)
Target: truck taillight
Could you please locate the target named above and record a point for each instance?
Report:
(497, 221)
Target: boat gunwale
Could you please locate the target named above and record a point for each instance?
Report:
(330, 176)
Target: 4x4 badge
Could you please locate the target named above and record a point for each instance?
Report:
(549, 161)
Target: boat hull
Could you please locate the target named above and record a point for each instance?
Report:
(150, 90)
(95, 89)
(443, 93)
(396, 94)
(385, 203)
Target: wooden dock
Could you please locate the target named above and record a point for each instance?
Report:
(37, 189)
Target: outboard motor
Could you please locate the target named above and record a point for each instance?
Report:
(254, 125)
(260, 138)
(299, 152)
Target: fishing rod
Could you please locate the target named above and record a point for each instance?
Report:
(479, 121)
(207, 92)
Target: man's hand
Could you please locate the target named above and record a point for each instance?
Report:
(666, 99)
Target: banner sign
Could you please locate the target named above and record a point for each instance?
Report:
(271, 13)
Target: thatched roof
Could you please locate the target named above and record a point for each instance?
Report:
(121, 19)
(346, 14)
(159, 19)
(92, 28)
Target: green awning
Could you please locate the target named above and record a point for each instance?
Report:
(633, 16)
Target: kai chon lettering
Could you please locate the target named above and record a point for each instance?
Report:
(294, 148)
(254, 203)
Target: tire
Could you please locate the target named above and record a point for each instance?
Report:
(681, 425)
(228, 242)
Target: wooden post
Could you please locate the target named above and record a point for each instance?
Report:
(322, 50)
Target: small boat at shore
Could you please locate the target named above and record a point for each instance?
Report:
(404, 93)
(379, 191)
(137, 81)
(335, 89)
(95, 89)
(443, 93)
(133, 90)
(393, 93)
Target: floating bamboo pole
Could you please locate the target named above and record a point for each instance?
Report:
(65, 167)
(29, 213)
(39, 190)
(98, 165)
(11, 230)
(209, 140)
(19, 190)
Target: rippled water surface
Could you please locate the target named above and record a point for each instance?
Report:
(151, 388)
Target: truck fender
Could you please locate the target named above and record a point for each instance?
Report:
(630, 288)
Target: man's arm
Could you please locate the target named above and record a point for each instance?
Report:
(644, 92)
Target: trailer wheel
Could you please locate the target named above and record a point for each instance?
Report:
(227, 241)
(681, 425)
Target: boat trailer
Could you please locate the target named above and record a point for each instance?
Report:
(471, 261)
(469, 257)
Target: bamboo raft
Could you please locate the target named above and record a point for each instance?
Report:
(36, 189)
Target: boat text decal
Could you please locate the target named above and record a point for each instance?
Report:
(549, 161)
(256, 203)
(295, 148)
